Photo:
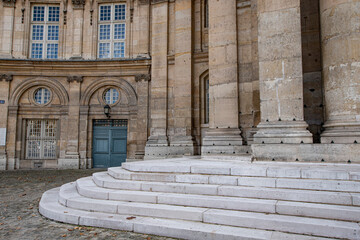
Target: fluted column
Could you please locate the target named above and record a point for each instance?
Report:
(340, 32)
(223, 135)
(280, 73)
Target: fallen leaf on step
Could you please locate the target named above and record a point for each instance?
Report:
(64, 235)
(129, 218)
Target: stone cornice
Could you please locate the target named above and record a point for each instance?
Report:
(6, 77)
(78, 79)
(144, 2)
(143, 77)
(9, 3)
(78, 4)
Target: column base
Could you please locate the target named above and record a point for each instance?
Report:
(341, 132)
(3, 160)
(160, 148)
(222, 141)
(70, 161)
(293, 132)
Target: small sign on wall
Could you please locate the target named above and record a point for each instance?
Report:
(2, 101)
(2, 136)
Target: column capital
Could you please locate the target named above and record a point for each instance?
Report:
(6, 77)
(78, 4)
(143, 77)
(9, 3)
(78, 79)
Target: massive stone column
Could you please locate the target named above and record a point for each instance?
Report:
(6, 35)
(223, 135)
(159, 74)
(340, 31)
(280, 73)
(182, 142)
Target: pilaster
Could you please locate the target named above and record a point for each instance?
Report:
(78, 22)
(72, 155)
(6, 35)
(5, 80)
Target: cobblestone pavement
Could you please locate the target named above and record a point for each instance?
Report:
(20, 193)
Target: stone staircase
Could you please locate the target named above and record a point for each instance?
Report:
(209, 198)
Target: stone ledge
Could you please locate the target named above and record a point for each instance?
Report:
(328, 153)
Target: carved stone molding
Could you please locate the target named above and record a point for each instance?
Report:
(6, 77)
(158, 1)
(141, 77)
(78, 4)
(144, 1)
(78, 79)
(9, 3)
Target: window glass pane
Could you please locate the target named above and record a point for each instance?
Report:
(119, 31)
(36, 50)
(111, 96)
(38, 13)
(120, 12)
(53, 33)
(119, 50)
(52, 51)
(104, 32)
(105, 13)
(104, 50)
(54, 13)
(42, 96)
(37, 32)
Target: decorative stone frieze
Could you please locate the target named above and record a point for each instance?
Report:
(144, 1)
(6, 77)
(158, 1)
(78, 4)
(9, 3)
(78, 79)
(143, 77)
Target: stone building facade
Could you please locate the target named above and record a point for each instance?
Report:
(91, 83)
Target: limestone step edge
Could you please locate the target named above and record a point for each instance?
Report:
(234, 168)
(292, 224)
(50, 207)
(87, 188)
(328, 197)
(286, 183)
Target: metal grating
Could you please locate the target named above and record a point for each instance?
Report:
(41, 139)
(110, 123)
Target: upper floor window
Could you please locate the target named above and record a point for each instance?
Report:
(206, 14)
(45, 32)
(112, 31)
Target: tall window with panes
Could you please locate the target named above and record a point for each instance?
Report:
(112, 31)
(45, 32)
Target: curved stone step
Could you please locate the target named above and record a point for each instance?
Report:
(236, 168)
(308, 184)
(50, 208)
(326, 197)
(292, 224)
(86, 187)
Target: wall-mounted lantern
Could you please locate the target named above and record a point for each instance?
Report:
(107, 110)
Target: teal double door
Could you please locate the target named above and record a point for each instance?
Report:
(109, 143)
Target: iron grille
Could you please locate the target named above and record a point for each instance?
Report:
(111, 123)
(41, 139)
